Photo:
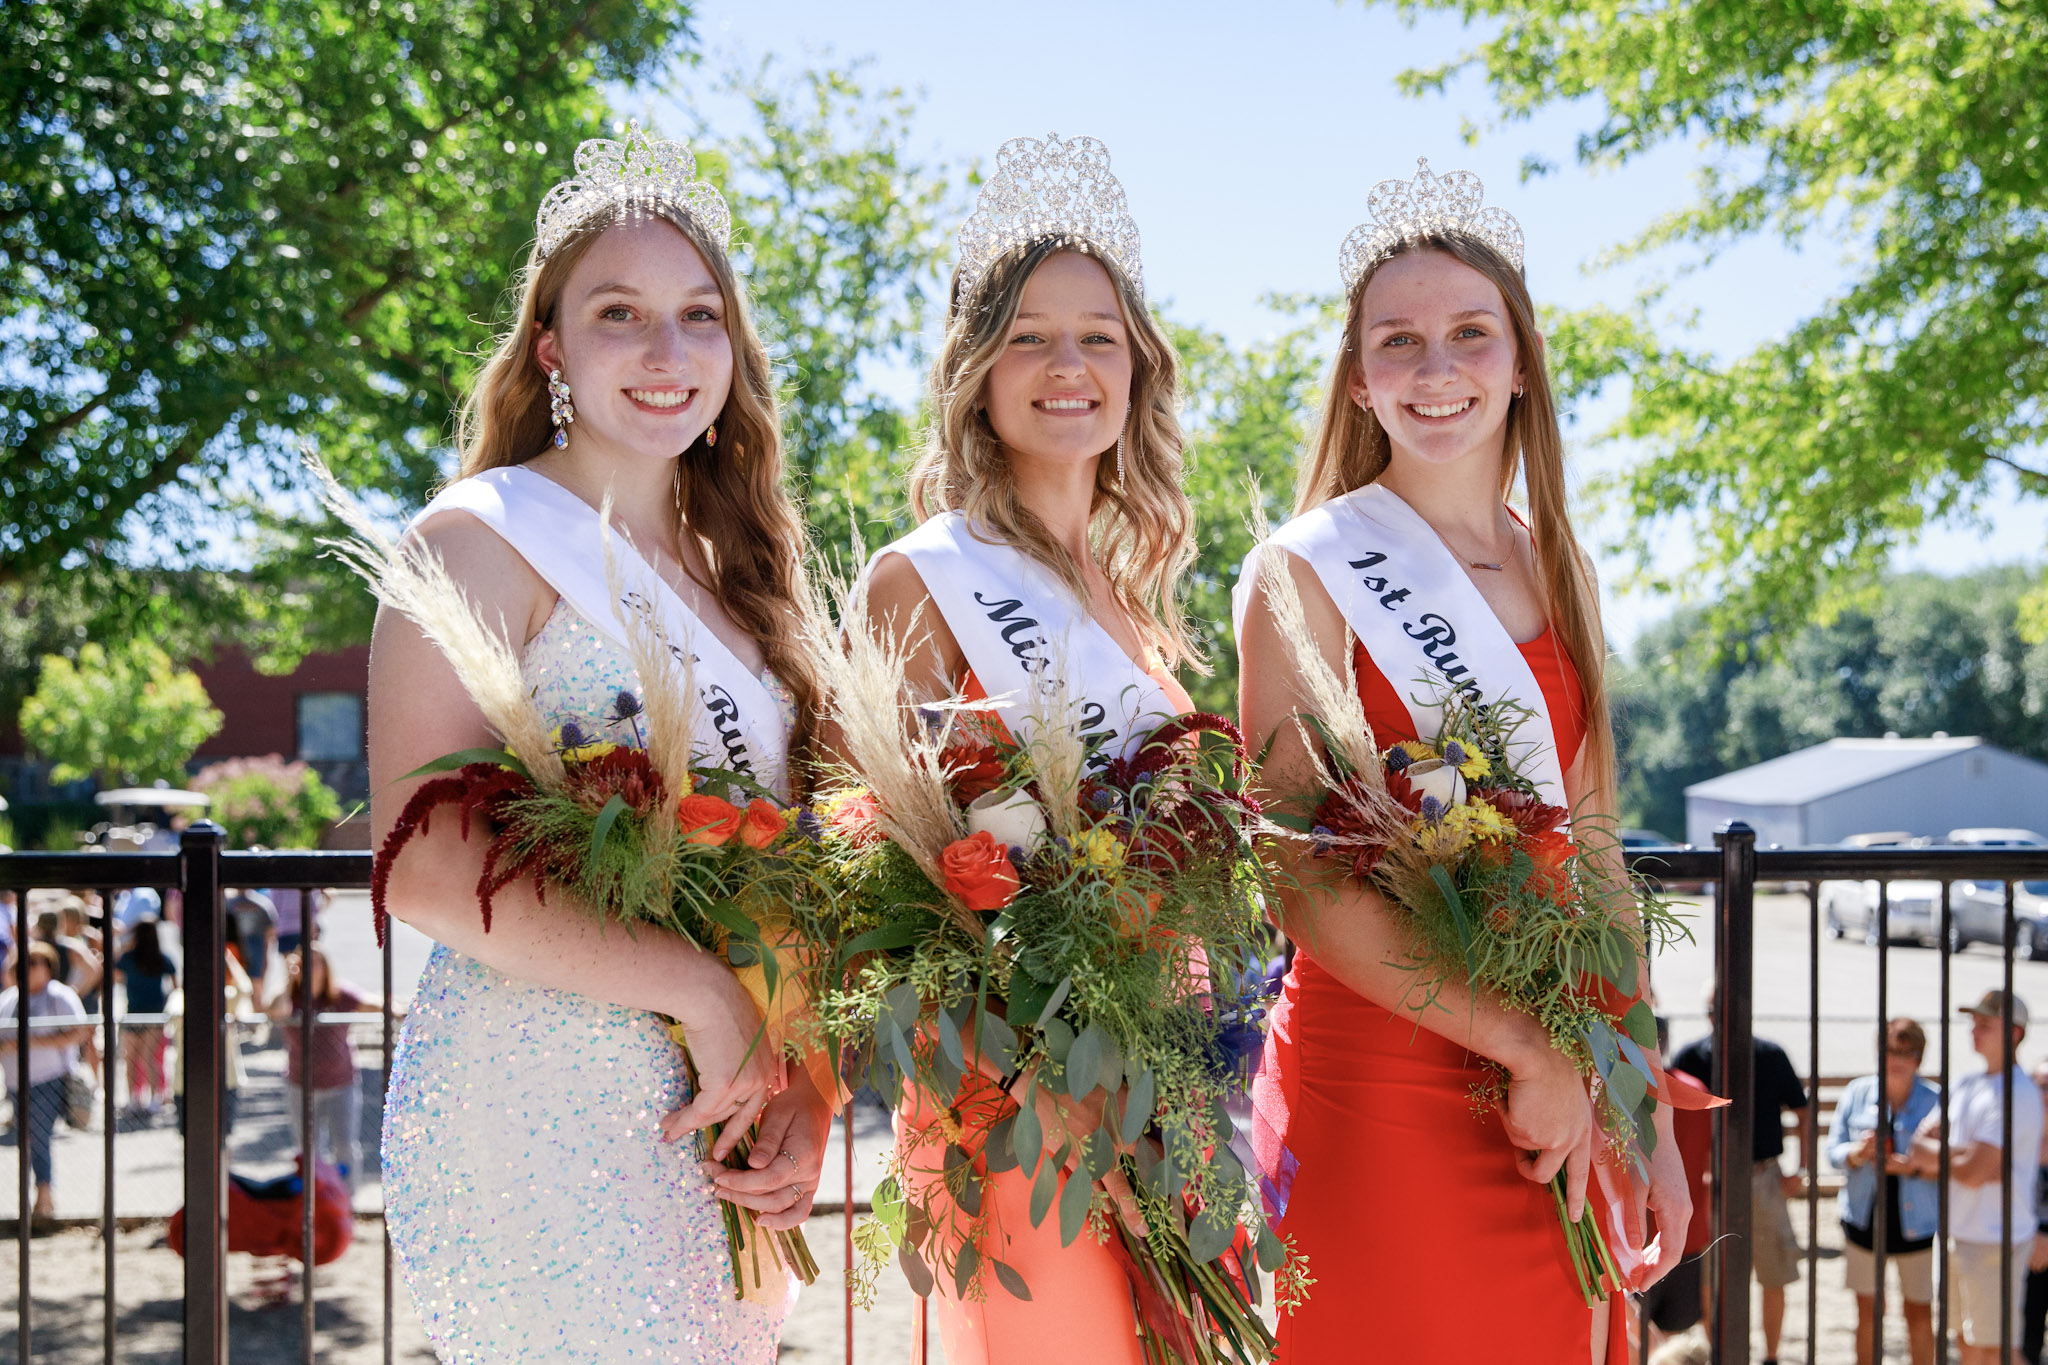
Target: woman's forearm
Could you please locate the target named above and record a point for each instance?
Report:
(1350, 933)
(559, 945)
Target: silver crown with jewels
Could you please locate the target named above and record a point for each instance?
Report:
(640, 172)
(1049, 187)
(1404, 209)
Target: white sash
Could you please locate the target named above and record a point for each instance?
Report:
(738, 725)
(1014, 621)
(1417, 613)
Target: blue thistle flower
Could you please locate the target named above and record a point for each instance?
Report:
(809, 825)
(1398, 759)
(573, 735)
(1454, 754)
(626, 706)
(1324, 839)
(1432, 809)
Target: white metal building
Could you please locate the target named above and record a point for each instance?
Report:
(1825, 794)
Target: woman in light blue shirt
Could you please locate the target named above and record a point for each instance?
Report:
(1911, 1202)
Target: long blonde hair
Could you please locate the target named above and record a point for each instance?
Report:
(1141, 535)
(731, 496)
(1351, 450)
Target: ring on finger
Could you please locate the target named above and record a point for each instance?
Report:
(796, 1192)
(792, 1160)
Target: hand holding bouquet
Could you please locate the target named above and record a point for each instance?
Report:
(1046, 952)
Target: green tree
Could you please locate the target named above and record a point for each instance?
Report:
(1913, 128)
(1247, 414)
(1928, 654)
(842, 235)
(268, 801)
(125, 716)
(231, 227)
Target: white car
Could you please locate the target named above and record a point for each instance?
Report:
(1979, 907)
(1912, 907)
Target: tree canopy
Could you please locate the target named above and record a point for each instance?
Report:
(1929, 654)
(125, 715)
(229, 227)
(1913, 130)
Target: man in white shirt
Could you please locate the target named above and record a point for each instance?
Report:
(52, 1055)
(1978, 1220)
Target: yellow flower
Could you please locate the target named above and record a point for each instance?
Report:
(950, 1126)
(1415, 749)
(1099, 849)
(1480, 820)
(1475, 765)
(585, 751)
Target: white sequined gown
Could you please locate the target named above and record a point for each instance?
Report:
(536, 1212)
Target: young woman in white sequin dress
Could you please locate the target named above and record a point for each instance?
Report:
(545, 1193)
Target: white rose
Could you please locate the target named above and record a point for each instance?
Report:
(1434, 777)
(1010, 816)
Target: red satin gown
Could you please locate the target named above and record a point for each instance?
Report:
(1080, 1307)
(1425, 1241)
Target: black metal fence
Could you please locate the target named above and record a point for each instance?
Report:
(201, 870)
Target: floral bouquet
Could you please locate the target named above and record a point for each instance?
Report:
(1015, 938)
(637, 831)
(1497, 892)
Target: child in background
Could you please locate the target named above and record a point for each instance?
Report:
(331, 1072)
(148, 978)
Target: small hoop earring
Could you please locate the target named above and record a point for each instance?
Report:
(561, 411)
(711, 434)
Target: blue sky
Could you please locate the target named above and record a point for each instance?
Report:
(1247, 136)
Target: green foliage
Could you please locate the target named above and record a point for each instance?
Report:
(1912, 127)
(1248, 414)
(268, 801)
(126, 715)
(232, 227)
(841, 237)
(1925, 653)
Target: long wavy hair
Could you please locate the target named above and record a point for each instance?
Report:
(732, 497)
(1141, 535)
(1351, 450)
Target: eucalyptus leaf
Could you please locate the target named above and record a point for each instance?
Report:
(1084, 1061)
(1059, 1039)
(1211, 1233)
(890, 1208)
(1138, 1103)
(1098, 1154)
(1028, 998)
(1272, 1251)
(1043, 1187)
(1074, 1200)
(1052, 1005)
(998, 1042)
(1626, 1086)
(915, 1270)
(965, 1267)
(999, 1153)
(949, 1040)
(1007, 1276)
(1641, 1024)
(1027, 1133)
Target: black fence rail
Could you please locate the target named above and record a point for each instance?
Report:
(202, 870)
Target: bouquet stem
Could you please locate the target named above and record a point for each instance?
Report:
(742, 1229)
(1591, 1260)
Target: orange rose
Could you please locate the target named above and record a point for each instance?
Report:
(977, 870)
(854, 816)
(708, 819)
(763, 824)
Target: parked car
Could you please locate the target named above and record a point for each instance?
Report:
(1978, 907)
(1912, 906)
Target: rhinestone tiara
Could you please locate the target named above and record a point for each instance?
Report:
(639, 172)
(1050, 187)
(1404, 209)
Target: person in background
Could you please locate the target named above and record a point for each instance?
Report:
(1912, 1203)
(2034, 1315)
(78, 966)
(1774, 1258)
(295, 908)
(132, 907)
(240, 1007)
(52, 1055)
(252, 920)
(331, 1073)
(148, 976)
(10, 909)
(1977, 1217)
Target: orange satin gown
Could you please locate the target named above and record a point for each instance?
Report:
(1080, 1307)
(1425, 1241)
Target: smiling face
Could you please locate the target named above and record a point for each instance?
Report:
(1061, 388)
(1437, 361)
(639, 333)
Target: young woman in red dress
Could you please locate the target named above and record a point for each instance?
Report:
(1413, 1206)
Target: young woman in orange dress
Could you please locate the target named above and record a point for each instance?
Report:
(1413, 1206)
(1053, 530)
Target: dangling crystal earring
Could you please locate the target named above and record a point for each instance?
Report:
(560, 411)
(711, 434)
(1119, 464)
